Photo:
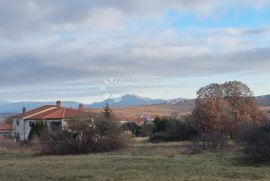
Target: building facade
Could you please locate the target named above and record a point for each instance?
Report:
(51, 115)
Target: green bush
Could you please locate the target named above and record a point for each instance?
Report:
(160, 124)
(170, 129)
(145, 130)
(180, 130)
(37, 128)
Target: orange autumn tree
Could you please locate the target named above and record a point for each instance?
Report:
(221, 108)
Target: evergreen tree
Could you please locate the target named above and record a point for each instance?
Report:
(107, 111)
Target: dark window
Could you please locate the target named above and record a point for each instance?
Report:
(18, 123)
(55, 125)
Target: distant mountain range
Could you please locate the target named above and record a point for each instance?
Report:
(263, 100)
(124, 101)
(128, 100)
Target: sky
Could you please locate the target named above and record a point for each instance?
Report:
(87, 51)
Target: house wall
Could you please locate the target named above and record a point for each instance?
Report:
(22, 127)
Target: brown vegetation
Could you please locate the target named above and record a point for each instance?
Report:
(162, 110)
(221, 108)
(83, 135)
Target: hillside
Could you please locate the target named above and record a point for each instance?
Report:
(263, 100)
(165, 109)
(135, 112)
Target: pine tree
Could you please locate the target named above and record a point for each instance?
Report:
(107, 111)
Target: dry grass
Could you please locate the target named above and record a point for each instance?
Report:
(9, 145)
(142, 161)
(162, 110)
(265, 108)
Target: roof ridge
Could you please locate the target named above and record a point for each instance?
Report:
(42, 111)
(53, 112)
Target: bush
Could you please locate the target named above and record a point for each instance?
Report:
(145, 130)
(180, 130)
(36, 129)
(170, 129)
(130, 126)
(255, 142)
(160, 124)
(83, 135)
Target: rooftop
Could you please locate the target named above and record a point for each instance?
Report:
(4, 127)
(47, 112)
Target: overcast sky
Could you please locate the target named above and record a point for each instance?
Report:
(86, 50)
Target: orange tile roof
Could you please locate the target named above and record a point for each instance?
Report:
(33, 111)
(4, 127)
(51, 112)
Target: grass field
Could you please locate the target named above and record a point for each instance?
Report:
(140, 162)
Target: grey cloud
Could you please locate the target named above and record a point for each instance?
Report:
(17, 71)
(46, 42)
(23, 17)
(28, 70)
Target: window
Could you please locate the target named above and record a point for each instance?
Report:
(55, 125)
(18, 123)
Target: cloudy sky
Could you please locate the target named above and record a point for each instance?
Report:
(86, 50)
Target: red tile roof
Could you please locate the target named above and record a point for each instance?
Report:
(51, 112)
(4, 127)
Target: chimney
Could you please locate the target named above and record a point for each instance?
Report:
(24, 110)
(58, 103)
(81, 107)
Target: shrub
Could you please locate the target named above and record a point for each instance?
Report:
(255, 142)
(83, 135)
(180, 130)
(36, 129)
(171, 129)
(145, 130)
(130, 126)
(160, 124)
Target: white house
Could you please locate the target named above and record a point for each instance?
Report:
(52, 115)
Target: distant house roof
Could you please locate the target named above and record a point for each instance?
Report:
(136, 120)
(5, 127)
(49, 112)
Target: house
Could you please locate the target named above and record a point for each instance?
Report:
(147, 118)
(6, 130)
(51, 115)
